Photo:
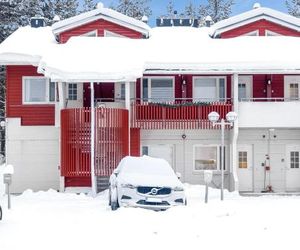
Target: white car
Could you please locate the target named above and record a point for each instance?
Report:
(145, 182)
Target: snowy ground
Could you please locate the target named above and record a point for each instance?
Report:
(51, 220)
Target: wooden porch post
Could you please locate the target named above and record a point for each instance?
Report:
(127, 106)
(93, 177)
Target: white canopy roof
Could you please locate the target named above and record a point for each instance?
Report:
(168, 50)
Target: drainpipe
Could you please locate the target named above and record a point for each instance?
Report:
(93, 177)
(234, 135)
(127, 106)
(58, 107)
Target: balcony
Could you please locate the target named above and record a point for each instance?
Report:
(269, 113)
(178, 114)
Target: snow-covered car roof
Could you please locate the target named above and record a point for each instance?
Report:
(147, 171)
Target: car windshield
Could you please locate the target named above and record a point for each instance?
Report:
(146, 165)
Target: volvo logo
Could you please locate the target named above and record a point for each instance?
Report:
(154, 191)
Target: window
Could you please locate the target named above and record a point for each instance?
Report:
(209, 89)
(72, 91)
(38, 90)
(243, 162)
(242, 91)
(252, 33)
(294, 91)
(108, 33)
(271, 33)
(145, 150)
(90, 34)
(294, 159)
(157, 89)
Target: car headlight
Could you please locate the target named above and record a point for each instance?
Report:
(127, 185)
(178, 189)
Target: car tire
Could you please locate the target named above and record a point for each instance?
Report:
(109, 198)
(0, 213)
(185, 202)
(114, 205)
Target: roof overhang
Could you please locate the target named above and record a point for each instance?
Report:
(95, 15)
(273, 16)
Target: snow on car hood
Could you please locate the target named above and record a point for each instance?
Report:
(150, 180)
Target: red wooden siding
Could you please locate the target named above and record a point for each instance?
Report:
(153, 116)
(100, 26)
(111, 141)
(260, 86)
(37, 114)
(262, 26)
(135, 142)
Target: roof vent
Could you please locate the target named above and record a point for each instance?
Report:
(100, 5)
(256, 6)
(56, 18)
(208, 21)
(145, 19)
(37, 21)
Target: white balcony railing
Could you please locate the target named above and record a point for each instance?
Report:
(269, 113)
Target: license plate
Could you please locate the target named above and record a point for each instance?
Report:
(150, 199)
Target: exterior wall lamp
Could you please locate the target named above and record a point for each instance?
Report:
(214, 117)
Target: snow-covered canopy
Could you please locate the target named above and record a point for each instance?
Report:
(168, 50)
(26, 46)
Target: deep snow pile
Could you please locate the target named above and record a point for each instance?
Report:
(51, 220)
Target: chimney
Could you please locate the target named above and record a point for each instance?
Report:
(208, 21)
(145, 19)
(37, 21)
(256, 6)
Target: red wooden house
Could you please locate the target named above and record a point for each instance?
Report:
(157, 106)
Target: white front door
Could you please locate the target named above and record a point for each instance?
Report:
(160, 151)
(245, 88)
(292, 168)
(245, 168)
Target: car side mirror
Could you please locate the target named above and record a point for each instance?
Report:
(178, 175)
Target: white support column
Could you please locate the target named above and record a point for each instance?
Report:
(234, 134)
(127, 106)
(93, 177)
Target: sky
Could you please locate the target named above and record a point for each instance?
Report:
(159, 6)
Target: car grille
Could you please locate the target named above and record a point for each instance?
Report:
(150, 203)
(154, 190)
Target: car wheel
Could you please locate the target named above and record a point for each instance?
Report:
(185, 202)
(114, 205)
(0, 213)
(109, 197)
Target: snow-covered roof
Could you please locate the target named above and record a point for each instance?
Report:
(100, 13)
(255, 15)
(168, 50)
(26, 46)
(99, 58)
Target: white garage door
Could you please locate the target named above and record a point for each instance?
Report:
(160, 151)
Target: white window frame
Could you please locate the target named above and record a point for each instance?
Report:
(196, 99)
(93, 33)
(108, 33)
(251, 33)
(290, 80)
(150, 86)
(47, 94)
(271, 33)
(218, 146)
(68, 93)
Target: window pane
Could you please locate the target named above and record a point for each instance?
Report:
(52, 91)
(205, 89)
(205, 158)
(145, 89)
(161, 90)
(72, 92)
(145, 150)
(35, 90)
(243, 163)
(242, 91)
(123, 91)
(294, 90)
(222, 89)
